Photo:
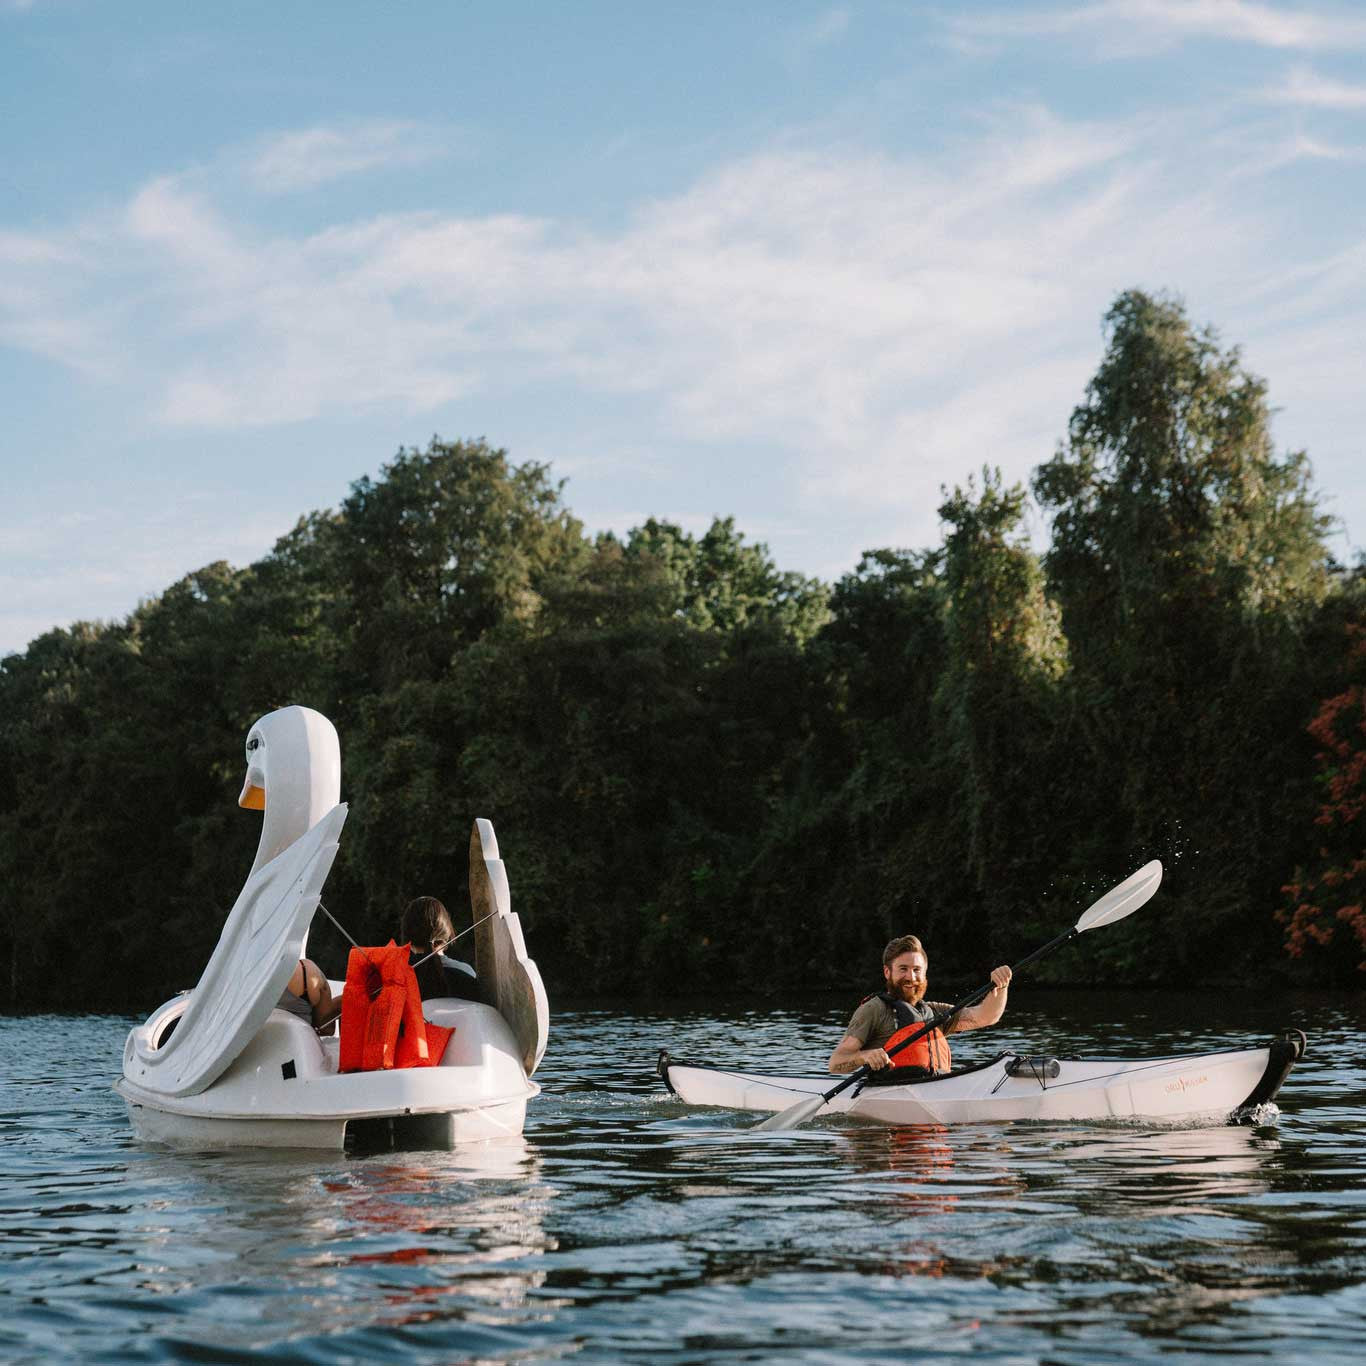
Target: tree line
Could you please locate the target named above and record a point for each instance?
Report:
(708, 773)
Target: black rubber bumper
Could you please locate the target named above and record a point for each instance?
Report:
(1284, 1053)
(662, 1067)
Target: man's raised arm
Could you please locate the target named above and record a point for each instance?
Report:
(991, 1009)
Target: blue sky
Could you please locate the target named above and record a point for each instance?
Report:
(799, 263)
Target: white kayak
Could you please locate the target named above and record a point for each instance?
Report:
(1204, 1088)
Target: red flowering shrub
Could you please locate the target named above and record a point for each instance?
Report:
(1325, 917)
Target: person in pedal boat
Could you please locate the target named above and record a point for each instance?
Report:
(308, 994)
(426, 926)
(896, 1012)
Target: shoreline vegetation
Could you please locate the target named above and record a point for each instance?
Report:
(708, 773)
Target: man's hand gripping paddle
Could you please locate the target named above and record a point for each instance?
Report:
(1117, 903)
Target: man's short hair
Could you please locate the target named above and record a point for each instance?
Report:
(905, 943)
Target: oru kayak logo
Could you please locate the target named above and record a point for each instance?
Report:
(1185, 1084)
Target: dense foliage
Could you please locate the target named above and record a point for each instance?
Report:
(707, 773)
(1326, 914)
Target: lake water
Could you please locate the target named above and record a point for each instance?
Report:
(626, 1228)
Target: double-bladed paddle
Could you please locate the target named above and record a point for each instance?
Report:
(1117, 903)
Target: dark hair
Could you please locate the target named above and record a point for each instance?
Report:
(427, 923)
(906, 943)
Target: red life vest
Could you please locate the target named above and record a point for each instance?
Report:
(381, 1020)
(930, 1051)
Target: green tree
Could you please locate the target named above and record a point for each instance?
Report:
(719, 583)
(1325, 915)
(1188, 561)
(42, 726)
(444, 546)
(853, 857)
(997, 701)
(121, 748)
(630, 756)
(1169, 497)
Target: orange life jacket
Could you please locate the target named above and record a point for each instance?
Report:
(381, 1019)
(930, 1051)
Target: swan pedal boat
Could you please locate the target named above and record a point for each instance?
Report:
(1191, 1090)
(222, 1067)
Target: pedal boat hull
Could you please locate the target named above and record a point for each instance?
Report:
(284, 1091)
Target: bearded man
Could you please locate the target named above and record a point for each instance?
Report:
(901, 1009)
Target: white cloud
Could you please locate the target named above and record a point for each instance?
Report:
(797, 297)
(1302, 147)
(111, 553)
(814, 35)
(46, 304)
(27, 249)
(303, 160)
(1304, 86)
(1128, 27)
(880, 325)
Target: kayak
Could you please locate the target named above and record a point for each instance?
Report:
(1194, 1089)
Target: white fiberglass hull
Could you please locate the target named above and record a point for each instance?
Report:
(1205, 1088)
(284, 1090)
(440, 1130)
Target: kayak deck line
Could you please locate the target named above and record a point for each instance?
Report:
(1212, 1087)
(811, 1085)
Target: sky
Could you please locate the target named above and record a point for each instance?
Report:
(803, 264)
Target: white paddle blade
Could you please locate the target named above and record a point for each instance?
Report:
(1125, 899)
(793, 1116)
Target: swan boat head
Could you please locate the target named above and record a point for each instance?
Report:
(293, 777)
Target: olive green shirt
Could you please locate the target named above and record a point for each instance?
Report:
(874, 1022)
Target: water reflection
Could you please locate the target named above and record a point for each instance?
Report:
(258, 1248)
(1165, 1171)
(912, 1169)
(478, 1254)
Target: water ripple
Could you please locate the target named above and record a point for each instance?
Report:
(626, 1227)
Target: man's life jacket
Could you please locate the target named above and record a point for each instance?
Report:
(930, 1052)
(381, 1019)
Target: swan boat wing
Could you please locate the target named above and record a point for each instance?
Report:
(510, 979)
(257, 952)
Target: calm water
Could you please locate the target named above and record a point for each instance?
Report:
(627, 1228)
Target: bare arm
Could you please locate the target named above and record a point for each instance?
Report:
(850, 1054)
(991, 1009)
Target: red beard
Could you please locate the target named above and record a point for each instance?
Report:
(912, 992)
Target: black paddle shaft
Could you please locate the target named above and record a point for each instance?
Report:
(939, 1021)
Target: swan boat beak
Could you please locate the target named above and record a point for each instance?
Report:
(253, 796)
